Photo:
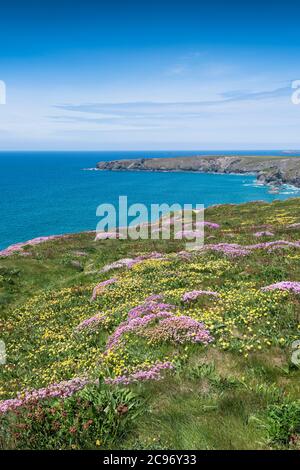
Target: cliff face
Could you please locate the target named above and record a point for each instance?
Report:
(269, 170)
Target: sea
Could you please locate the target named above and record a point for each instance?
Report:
(51, 193)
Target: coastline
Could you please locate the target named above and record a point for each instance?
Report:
(178, 165)
(272, 171)
(257, 181)
(18, 248)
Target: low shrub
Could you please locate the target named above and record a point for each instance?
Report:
(283, 423)
(95, 417)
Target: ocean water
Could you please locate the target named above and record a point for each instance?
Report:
(45, 193)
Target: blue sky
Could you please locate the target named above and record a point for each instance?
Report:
(149, 75)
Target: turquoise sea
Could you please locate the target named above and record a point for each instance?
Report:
(45, 193)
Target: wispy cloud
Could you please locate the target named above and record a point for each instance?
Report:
(177, 70)
(181, 107)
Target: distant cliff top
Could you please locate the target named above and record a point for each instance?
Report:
(269, 170)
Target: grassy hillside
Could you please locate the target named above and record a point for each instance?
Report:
(208, 370)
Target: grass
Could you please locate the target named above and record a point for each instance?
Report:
(239, 392)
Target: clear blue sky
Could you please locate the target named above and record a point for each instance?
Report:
(149, 75)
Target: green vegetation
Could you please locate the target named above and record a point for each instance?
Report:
(239, 391)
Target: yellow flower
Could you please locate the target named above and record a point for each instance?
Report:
(98, 443)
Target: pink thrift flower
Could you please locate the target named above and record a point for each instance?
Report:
(60, 390)
(106, 235)
(130, 262)
(207, 224)
(188, 296)
(100, 287)
(264, 234)
(150, 373)
(188, 234)
(92, 322)
(284, 285)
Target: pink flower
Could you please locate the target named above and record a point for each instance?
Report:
(197, 293)
(181, 329)
(60, 390)
(150, 306)
(166, 326)
(188, 234)
(229, 249)
(296, 225)
(185, 255)
(207, 224)
(100, 287)
(233, 249)
(264, 234)
(18, 247)
(92, 322)
(154, 298)
(130, 262)
(106, 235)
(150, 373)
(135, 323)
(284, 285)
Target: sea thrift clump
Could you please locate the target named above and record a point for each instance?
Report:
(192, 295)
(133, 324)
(264, 234)
(18, 247)
(154, 298)
(188, 234)
(274, 244)
(99, 287)
(184, 255)
(207, 224)
(92, 322)
(228, 249)
(296, 225)
(106, 235)
(180, 329)
(150, 373)
(121, 263)
(234, 249)
(152, 255)
(284, 285)
(58, 390)
(130, 262)
(166, 326)
(150, 306)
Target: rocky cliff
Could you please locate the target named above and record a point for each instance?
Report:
(269, 170)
